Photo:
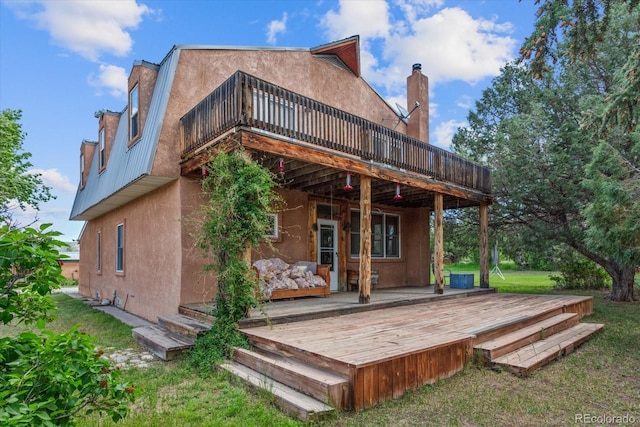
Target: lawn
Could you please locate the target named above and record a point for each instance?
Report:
(600, 379)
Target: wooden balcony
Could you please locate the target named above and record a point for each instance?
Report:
(321, 143)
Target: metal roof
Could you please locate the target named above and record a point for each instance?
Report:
(128, 171)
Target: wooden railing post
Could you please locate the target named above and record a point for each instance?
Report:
(484, 245)
(365, 240)
(438, 243)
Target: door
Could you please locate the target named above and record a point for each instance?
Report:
(328, 248)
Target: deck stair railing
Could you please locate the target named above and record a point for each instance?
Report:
(244, 100)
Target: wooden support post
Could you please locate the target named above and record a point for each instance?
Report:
(313, 242)
(438, 244)
(365, 240)
(484, 245)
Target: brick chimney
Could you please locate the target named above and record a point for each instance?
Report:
(418, 91)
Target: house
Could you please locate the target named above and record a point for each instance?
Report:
(360, 180)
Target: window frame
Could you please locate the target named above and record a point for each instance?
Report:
(120, 248)
(134, 116)
(274, 110)
(82, 180)
(101, 149)
(383, 236)
(99, 252)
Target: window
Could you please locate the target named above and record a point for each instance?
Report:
(388, 148)
(272, 231)
(81, 170)
(134, 123)
(385, 235)
(99, 252)
(101, 149)
(276, 111)
(120, 248)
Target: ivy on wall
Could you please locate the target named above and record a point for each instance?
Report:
(239, 196)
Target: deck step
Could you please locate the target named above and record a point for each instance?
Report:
(183, 325)
(196, 314)
(288, 399)
(320, 384)
(499, 346)
(531, 357)
(161, 342)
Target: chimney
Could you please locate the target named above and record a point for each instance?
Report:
(418, 91)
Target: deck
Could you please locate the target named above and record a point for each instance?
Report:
(402, 345)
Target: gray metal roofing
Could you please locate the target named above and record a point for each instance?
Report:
(128, 168)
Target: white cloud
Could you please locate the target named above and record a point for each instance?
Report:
(88, 28)
(276, 27)
(112, 78)
(54, 179)
(452, 45)
(465, 102)
(444, 132)
(369, 19)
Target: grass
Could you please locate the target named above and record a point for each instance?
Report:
(599, 378)
(515, 281)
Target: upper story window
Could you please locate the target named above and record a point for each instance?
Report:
(274, 110)
(385, 235)
(81, 170)
(101, 153)
(134, 113)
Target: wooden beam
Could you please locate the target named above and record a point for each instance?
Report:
(313, 242)
(342, 247)
(438, 244)
(336, 159)
(365, 240)
(484, 245)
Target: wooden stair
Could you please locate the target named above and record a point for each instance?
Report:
(183, 325)
(173, 335)
(523, 350)
(305, 390)
(288, 399)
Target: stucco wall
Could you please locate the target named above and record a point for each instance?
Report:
(196, 287)
(150, 284)
(200, 71)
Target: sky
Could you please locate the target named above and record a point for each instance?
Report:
(62, 61)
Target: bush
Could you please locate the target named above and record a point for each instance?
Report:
(47, 378)
(578, 272)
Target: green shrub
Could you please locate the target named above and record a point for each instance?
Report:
(578, 272)
(47, 378)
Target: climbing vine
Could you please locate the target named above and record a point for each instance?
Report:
(239, 197)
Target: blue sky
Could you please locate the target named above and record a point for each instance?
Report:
(61, 61)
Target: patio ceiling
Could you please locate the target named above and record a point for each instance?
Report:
(327, 182)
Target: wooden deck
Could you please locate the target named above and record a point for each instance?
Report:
(400, 345)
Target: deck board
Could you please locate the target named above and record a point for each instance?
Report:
(390, 350)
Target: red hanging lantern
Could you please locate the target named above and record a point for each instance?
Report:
(398, 196)
(281, 165)
(348, 186)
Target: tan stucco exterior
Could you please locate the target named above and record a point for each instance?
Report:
(162, 266)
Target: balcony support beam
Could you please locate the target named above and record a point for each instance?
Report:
(334, 159)
(438, 243)
(365, 240)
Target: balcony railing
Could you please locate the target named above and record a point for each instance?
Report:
(244, 100)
